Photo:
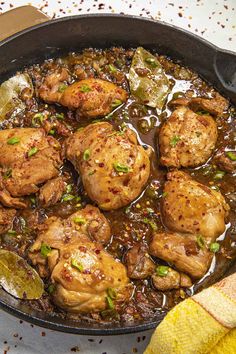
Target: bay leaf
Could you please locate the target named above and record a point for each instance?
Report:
(147, 79)
(10, 91)
(18, 278)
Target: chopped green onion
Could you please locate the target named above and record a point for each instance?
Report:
(32, 151)
(85, 88)
(77, 265)
(13, 141)
(51, 132)
(216, 188)
(151, 61)
(116, 103)
(7, 174)
(11, 232)
(174, 141)
(37, 117)
(203, 113)
(79, 220)
(200, 241)
(51, 288)
(121, 168)
(62, 88)
(78, 199)
(91, 173)
(86, 154)
(219, 175)
(112, 68)
(33, 200)
(45, 250)
(110, 303)
(67, 197)
(150, 222)
(69, 188)
(214, 247)
(111, 293)
(162, 271)
(164, 194)
(231, 155)
(59, 115)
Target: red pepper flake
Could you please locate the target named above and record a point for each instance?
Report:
(43, 334)
(101, 164)
(97, 251)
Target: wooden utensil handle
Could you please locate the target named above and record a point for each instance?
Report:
(18, 19)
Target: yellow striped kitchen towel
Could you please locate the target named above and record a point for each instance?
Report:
(205, 323)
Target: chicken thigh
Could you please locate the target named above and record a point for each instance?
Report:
(191, 207)
(92, 97)
(182, 251)
(187, 139)
(28, 158)
(82, 271)
(113, 167)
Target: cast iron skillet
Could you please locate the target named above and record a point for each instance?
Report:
(55, 38)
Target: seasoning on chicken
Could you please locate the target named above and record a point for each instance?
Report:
(91, 97)
(81, 270)
(183, 251)
(28, 158)
(113, 167)
(166, 278)
(139, 264)
(191, 207)
(187, 139)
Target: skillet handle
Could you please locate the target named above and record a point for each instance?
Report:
(18, 19)
(225, 69)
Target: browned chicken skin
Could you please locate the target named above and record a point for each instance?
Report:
(92, 97)
(216, 105)
(172, 280)
(191, 207)
(182, 251)
(187, 139)
(113, 167)
(138, 262)
(28, 158)
(198, 213)
(81, 269)
(51, 192)
(52, 87)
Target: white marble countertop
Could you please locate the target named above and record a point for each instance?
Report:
(215, 21)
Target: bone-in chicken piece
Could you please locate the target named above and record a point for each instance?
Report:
(83, 276)
(139, 264)
(82, 271)
(91, 97)
(51, 192)
(182, 251)
(224, 162)
(6, 219)
(172, 280)
(216, 105)
(187, 139)
(113, 167)
(53, 85)
(87, 223)
(28, 158)
(191, 207)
